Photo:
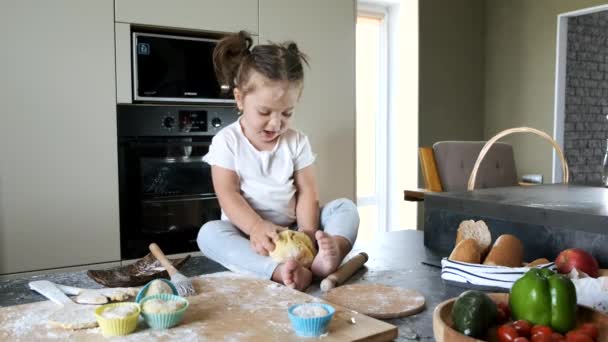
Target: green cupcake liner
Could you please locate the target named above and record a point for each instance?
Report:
(164, 320)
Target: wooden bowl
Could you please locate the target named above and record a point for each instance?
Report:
(444, 331)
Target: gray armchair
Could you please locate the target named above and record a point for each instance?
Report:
(455, 161)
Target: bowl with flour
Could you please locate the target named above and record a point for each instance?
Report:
(310, 319)
(163, 311)
(117, 319)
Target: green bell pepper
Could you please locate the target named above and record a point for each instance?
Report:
(545, 298)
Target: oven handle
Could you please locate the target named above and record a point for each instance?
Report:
(189, 199)
(170, 144)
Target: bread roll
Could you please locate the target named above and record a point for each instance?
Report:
(469, 229)
(537, 262)
(466, 251)
(507, 251)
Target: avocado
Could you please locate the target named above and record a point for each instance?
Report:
(473, 313)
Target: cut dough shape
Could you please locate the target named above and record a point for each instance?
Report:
(119, 294)
(90, 297)
(158, 287)
(157, 305)
(72, 318)
(309, 311)
(102, 296)
(293, 245)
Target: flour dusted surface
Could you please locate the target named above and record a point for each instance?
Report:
(228, 307)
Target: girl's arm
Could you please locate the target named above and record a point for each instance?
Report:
(307, 201)
(227, 187)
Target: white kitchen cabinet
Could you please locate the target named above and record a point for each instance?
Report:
(205, 15)
(325, 31)
(58, 164)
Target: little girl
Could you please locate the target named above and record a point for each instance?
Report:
(263, 171)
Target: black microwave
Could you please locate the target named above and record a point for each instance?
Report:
(172, 68)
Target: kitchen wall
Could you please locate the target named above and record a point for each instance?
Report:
(519, 72)
(451, 73)
(451, 70)
(58, 172)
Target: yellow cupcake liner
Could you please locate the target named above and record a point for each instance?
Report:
(118, 326)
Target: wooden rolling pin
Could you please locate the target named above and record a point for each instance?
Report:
(344, 272)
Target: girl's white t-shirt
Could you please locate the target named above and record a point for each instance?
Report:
(266, 177)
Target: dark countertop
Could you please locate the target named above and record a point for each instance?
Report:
(395, 258)
(546, 218)
(564, 206)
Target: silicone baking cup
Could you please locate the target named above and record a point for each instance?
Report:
(164, 320)
(142, 293)
(310, 326)
(117, 326)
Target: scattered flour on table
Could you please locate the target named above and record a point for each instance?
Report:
(229, 275)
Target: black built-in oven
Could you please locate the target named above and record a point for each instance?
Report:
(166, 192)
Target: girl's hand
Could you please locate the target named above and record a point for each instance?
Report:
(262, 237)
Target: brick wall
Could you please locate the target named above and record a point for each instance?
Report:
(586, 126)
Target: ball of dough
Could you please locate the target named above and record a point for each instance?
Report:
(119, 312)
(308, 311)
(157, 305)
(157, 287)
(294, 245)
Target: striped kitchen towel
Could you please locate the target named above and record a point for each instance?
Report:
(483, 277)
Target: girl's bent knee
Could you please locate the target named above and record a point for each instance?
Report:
(206, 234)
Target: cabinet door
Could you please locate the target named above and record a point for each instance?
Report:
(325, 31)
(58, 166)
(206, 15)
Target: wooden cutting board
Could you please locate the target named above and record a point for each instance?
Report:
(227, 307)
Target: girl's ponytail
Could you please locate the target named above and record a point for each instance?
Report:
(228, 56)
(234, 59)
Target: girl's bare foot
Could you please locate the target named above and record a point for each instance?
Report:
(332, 249)
(293, 275)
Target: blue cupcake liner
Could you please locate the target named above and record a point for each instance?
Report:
(142, 292)
(311, 326)
(164, 320)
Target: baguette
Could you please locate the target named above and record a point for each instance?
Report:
(466, 251)
(469, 229)
(507, 251)
(537, 262)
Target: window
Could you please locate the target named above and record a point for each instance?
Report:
(371, 116)
(387, 115)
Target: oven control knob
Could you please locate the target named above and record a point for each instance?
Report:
(168, 122)
(216, 122)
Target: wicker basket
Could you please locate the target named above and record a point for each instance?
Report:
(488, 145)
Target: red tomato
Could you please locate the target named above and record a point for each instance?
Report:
(557, 337)
(507, 333)
(540, 337)
(504, 312)
(543, 329)
(523, 327)
(521, 339)
(589, 329)
(578, 336)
